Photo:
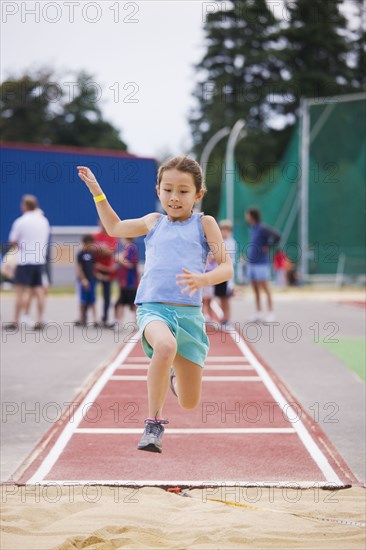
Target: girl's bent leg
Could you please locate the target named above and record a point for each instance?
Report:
(188, 382)
(160, 338)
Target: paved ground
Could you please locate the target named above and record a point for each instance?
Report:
(41, 372)
(334, 394)
(38, 377)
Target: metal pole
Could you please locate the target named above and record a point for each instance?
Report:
(340, 269)
(304, 190)
(210, 145)
(230, 168)
(207, 150)
(290, 221)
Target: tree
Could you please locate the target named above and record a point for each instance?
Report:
(236, 76)
(358, 53)
(37, 109)
(81, 122)
(316, 51)
(25, 110)
(257, 67)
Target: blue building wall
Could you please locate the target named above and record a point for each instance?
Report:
(50, 174)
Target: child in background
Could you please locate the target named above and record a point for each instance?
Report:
(225, 290)
(170, 319)
(105, 247)
(127, 277)
(280, 266)
(208, 292)
(86, 280)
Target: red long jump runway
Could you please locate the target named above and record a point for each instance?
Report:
(248, 430)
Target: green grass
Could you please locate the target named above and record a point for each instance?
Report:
(68, 290)
(352, 352)
(56, 290)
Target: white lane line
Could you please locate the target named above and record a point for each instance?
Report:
(66, 434)
(215, 359)
(193, 431)
(231, 378)
(217, 486)
(228, 367)
(227, 359)
(142, 359)
(129, 378)
(134, 366)
(310, 445)
(138, 378)
(206, 368)
(218, 310)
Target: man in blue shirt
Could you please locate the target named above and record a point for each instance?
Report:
(261, 238)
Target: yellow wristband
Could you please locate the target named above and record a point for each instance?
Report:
(100, 198)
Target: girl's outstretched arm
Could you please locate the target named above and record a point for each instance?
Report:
(111, 221)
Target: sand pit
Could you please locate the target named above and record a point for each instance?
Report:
(106, 518)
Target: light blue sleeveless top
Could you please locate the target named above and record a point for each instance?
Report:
(170, 246)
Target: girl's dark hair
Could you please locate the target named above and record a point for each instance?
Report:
(254, 214)
(186, 165)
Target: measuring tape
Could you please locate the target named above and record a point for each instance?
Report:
(251, 507)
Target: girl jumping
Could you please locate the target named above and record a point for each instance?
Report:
(169, 296)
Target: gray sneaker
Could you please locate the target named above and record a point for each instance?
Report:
(152, 437)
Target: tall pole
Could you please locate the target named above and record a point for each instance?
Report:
(304, 190)
(207, 150)
(230, 168)
(210, 145)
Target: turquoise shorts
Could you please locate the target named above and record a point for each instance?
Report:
(186, 323)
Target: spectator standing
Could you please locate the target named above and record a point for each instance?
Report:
(127, 277)
(105, 267)
(280, 266)
(224, 291)
(30, 233)
(292, 274)
(86, 280)
(261, 238)
(208, 292)
(26, 317)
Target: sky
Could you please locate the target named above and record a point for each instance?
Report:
(141, 56)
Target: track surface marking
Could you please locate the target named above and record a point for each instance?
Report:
(248, 429)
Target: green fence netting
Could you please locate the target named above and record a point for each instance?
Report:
(337, 169)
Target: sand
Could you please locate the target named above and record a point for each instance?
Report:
(106, 518)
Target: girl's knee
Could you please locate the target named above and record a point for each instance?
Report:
(189, 402)
(165, 349)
